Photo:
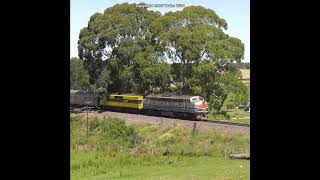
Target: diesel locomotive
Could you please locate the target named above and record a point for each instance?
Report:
(189, 107)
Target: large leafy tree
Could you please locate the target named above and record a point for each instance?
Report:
(156, 78)
(195, 35)
(126, 48)
(119, 44)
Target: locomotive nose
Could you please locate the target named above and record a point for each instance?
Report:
(203, 106)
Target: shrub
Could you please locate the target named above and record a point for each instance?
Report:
(115, 131)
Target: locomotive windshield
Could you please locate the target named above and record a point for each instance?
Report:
(195, 99)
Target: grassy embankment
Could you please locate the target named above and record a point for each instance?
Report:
(113, 150)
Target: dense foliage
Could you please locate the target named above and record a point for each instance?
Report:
(79, 77)
(127, 49)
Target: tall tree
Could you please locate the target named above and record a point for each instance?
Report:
(126, 48)
(192, 36)
(120, 41)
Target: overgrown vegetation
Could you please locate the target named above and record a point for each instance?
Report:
(229, 110)
(111, 144)
(234, 115)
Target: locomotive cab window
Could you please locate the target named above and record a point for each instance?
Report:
(195, 99)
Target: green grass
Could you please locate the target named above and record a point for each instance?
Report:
(155, 139)
(154, 152)
(85, 167)
(236, 115)
(240, 116)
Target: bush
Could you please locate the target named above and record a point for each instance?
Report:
(172, 136)
(115, 131)
(223, 115)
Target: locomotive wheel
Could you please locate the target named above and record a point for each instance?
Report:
(198, 117)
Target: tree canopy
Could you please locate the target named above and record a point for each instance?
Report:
(127, 48)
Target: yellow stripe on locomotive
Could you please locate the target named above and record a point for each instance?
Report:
(127, 101)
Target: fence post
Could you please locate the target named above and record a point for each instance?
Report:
(87, 122)
(194, 128)
(87, 103)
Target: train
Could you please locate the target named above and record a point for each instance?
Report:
(173, 106)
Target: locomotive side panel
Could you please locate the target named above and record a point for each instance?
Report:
(122, 101)
(185, 106)
(178, 105)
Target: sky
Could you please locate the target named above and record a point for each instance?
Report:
(235, 12)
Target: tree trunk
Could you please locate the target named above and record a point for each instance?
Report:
(240, 156)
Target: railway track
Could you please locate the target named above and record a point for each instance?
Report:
(228, 122)
(191, 121)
